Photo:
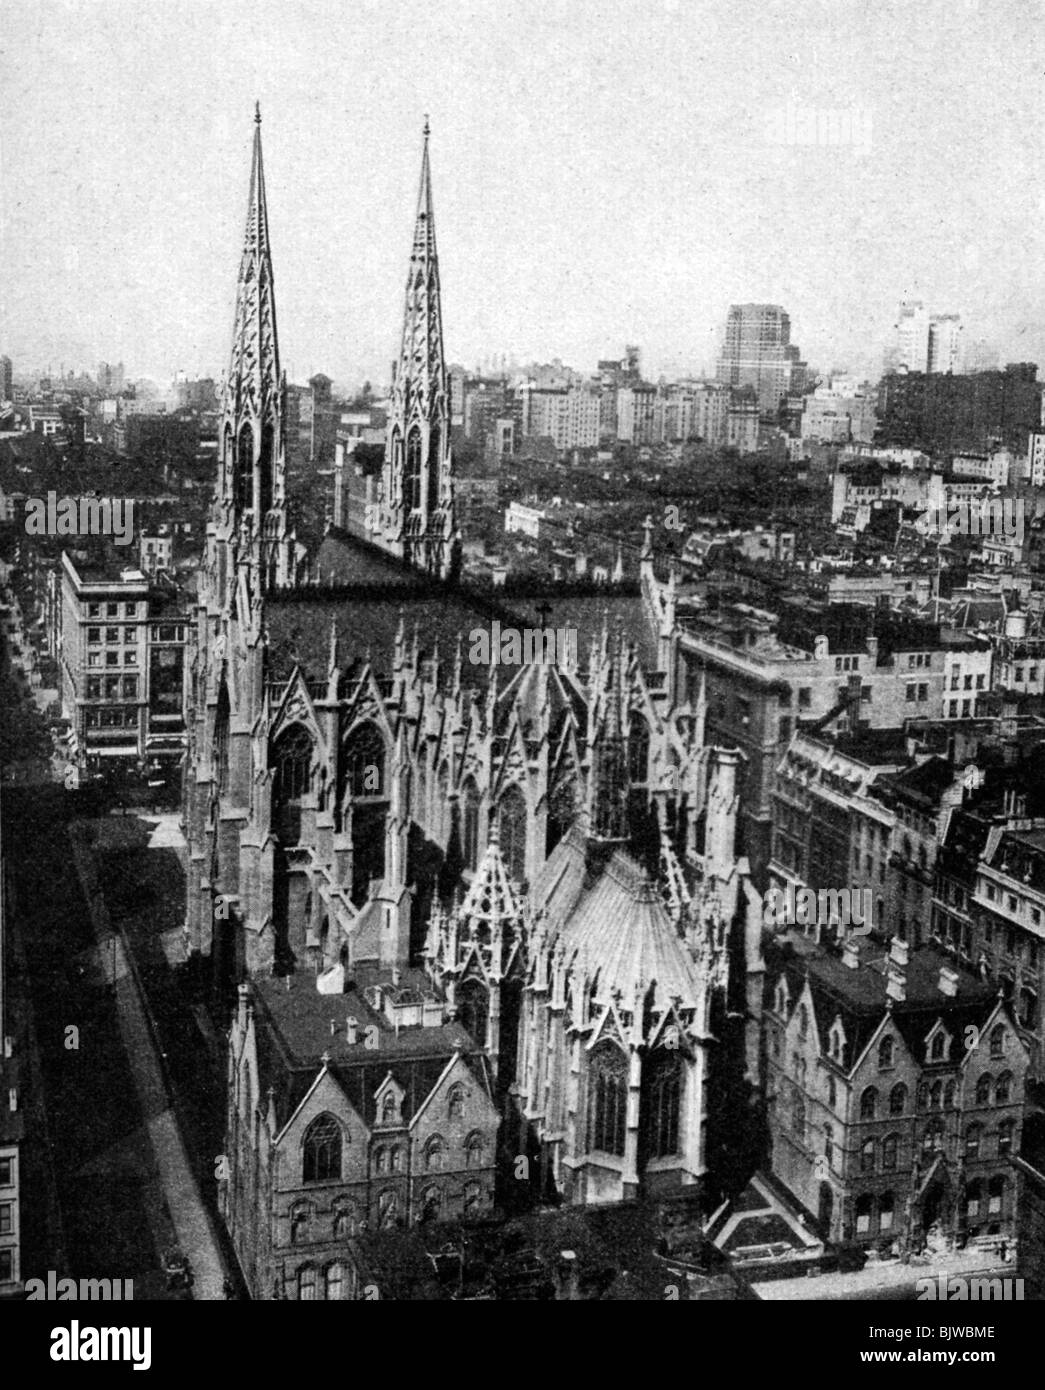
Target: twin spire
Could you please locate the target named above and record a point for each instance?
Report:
(254, 374)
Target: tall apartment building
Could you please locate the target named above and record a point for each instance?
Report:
(6, 379)
(637, 414)
(122, 664)
(909, 350)
(569, 417)
(758, 352)
(945, 343)
(696, 410)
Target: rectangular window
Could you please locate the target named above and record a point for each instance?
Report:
(6, 1172)
(112, 634)
(112, 687)
(112, 658)
(112, 610)
(130, 634)
(911, 694)
(865, 694)
(966, 711)
(968, 682)
(923, 694)
(94, 634)
(130, 658)
(130, 687)
(130, 610)
(6, 1266)
(955, 681)
(805, 697)
(980, 682)
(94, 658)
(6, 1209)
(954, 709)
(94, 610)
(94, 688)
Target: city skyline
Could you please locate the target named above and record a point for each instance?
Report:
(616, 191)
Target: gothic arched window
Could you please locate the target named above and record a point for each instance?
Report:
(431, 1204)
(292, 756)
(435, 1154)
(455, 1102)
(869, 1104)
(607, 1098)
(473, 1006)
(983, 1089)
(885, 1054)
(265, 467)
(412, 471)
(434, 445)
(898, 1099)
(307, 1284)
(662, 1082)
(334, 1280)
(512, 824)
(245, 469)
(322, 1150)
(221, 739)
(364, 761)
(638, 751)
(470, 824)
(473, 1151)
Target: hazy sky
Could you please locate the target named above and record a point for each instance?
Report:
(604, 172)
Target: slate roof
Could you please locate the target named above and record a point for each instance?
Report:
(859, 995)
(610, 917)
(292, 1032)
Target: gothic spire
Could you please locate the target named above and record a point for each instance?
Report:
(421, 368)
(254, 377)
(417, 487)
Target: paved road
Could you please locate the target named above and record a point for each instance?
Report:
(194, 1231)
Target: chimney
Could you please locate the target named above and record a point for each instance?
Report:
(351, 1030)
(12, 1098)
(241, 1012)
(896, 987)
(948, 982)
(333, 1027)
(851, 953)
(899, 952)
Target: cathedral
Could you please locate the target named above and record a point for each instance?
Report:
(464, 909)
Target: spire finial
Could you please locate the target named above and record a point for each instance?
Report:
(426, 125)
(257, 113)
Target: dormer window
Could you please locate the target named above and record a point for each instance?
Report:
(939, 1044)
(836, 1041)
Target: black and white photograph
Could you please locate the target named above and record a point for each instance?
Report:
(522, 669)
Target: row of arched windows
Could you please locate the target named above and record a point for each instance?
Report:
(243, 466)
(323, 1143)
(661, 1100)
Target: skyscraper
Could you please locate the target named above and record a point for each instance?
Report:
(909, 349)
(945, 343)
(757, 352)
(6, 379)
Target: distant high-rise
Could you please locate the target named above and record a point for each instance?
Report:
(945, 343)
(909, 350)
(6, 379)
(757, 352)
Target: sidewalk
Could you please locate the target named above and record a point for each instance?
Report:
(189, 1215)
